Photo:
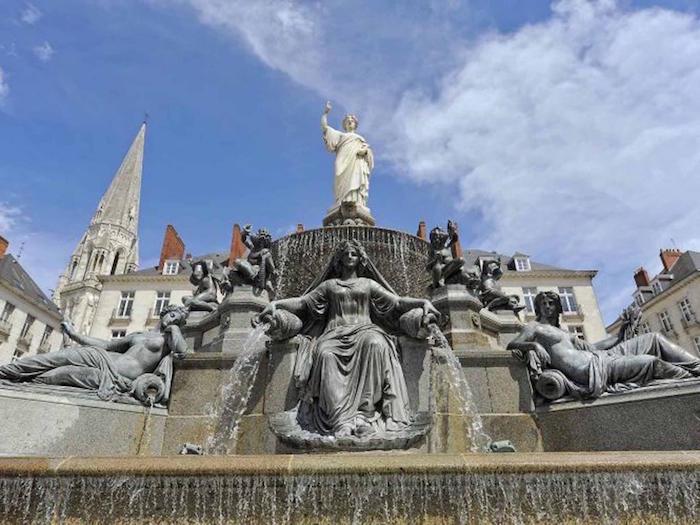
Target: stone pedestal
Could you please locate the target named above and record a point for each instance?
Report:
(349, 214)
(227, 333)
(463, 329)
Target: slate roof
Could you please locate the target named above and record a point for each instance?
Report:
(470, 256)
(687, 263)
(185, 269)
(16, 277)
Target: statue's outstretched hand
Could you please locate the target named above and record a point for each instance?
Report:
(327, 108)
(265, 315)
(67, 327)
(542, 354)
(430, 314)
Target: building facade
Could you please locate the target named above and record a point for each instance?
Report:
(670, 301)
(110, 244)
(526, 278)
(29, 321)
(132, 302)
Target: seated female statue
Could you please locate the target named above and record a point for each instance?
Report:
(107, 367)
(350, 374)
(612, 365)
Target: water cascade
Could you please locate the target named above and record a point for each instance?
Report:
(233, 400)
(458, 497)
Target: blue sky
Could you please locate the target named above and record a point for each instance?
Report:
(569, 131)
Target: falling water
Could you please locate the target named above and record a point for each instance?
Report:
(358, 498)
(446, 357)
(228, 409)
(145, 438)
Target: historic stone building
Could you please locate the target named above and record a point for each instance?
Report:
(29, 321)
(670, 300)
(110, 244)
(526, 278)
(133, 301)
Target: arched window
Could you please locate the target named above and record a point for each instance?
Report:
(115, 264)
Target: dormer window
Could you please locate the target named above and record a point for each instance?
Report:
(656, 286)
(639, 299)
(522, 264)
(171, 267)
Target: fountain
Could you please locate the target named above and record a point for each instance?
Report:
(351, 374)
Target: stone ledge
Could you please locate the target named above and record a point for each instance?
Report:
(679, 388)
(356, 463)
(71, 398)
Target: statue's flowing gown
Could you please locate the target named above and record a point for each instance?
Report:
(351, 170)
(355, 377)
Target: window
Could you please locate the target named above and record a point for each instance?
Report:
(171, 267)
(162, 300)
(644, 327)
(656, 286)
(125, 304)
(116, 334)
(665, 321)
(45, 336)
(28, 322)
(115, 263)
(7, 312)
(522, 264)
(687, 312)
(696, 340)
(568, 300)
(577, 330)
(529, 295)
(639, 299)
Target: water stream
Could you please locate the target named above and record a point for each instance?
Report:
(448, 362)
(228, 409)
(446, 498)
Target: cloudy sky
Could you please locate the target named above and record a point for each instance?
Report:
(569, 131)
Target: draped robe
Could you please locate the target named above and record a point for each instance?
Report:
(351, 170)
(355, 376)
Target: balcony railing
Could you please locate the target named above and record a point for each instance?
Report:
(118, 318)
(5, 327)
(577, 312)
(44, 347)
(24, 341)
(689, 321)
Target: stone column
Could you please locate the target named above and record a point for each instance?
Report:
(463, 329)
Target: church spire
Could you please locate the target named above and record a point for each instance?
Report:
(110, 245)
(120, 203)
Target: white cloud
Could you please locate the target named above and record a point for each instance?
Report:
(44, 52)
(30, 14)
(576, 139)
(4, 90)
(9, 215)
(16, 227)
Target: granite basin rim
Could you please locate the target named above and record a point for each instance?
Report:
(355, 463)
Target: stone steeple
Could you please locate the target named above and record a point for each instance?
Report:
(110, 244)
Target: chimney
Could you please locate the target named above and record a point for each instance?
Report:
(641, 277)
(669, 257)
(173, 247)
(300, 228)
(4, 243)
(421, 231)
(238, 249)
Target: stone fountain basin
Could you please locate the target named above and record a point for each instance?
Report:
(619, 487)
